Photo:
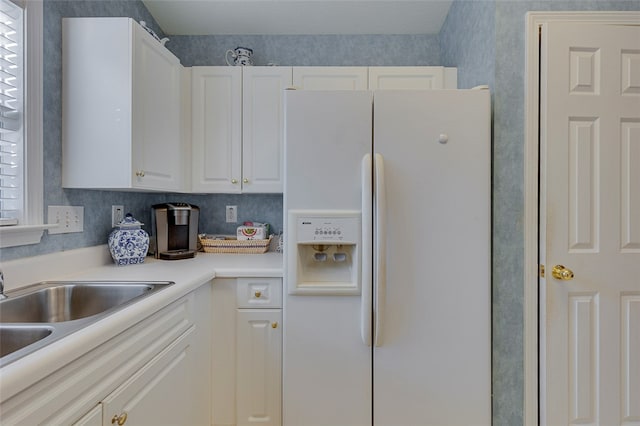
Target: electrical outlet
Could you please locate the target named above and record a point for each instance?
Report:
(232, 214)
(68, 218)
(117, 215)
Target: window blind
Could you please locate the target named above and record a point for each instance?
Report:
(11, 113)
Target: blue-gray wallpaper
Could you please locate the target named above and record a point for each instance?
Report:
(484, 39)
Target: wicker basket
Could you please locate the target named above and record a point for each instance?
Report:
(232, 245)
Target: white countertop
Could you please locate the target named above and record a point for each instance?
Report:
(188, 274)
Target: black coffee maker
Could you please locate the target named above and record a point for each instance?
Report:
(174, 228)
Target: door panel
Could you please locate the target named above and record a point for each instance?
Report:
(330, 78)
(263, 128)
(630, 180)
(259, 366)
(435, 354)
(326, 367)
(216, 159)
(156, 147)
(590, 198)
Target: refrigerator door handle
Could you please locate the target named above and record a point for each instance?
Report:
(380, 247)
(366, 303)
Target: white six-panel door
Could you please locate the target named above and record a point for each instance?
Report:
(590, 198)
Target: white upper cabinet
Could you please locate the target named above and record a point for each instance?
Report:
(237, 129)
(121, 107)
(412, 78)
(263, 128)
(216, 133)
(330, 78)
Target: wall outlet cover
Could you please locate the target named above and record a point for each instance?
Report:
(232, 214)
(117, 215)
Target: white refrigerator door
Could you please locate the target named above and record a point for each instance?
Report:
(434, 365)
(326, 366)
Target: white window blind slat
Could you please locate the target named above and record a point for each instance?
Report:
(11, 114)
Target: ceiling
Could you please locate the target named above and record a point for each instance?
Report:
(216, 17)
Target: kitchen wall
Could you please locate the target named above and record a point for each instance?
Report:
(467, 41)
(484, 39)
(309, 50)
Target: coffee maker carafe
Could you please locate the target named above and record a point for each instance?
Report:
(174, 228)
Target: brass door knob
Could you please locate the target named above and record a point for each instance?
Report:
(245, 180)
(234, 181)
(140, 173)
(119, 419)
(274, 325)
(559, 272)
(258, 294)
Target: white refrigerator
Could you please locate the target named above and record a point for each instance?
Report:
(387, 205)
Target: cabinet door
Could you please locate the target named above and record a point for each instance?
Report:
(161, 393)
(258, 368)
(96, 103)
(223, 359)
(216, 129)
(156, 115)
(263, 128)
(330, 78)
(412, 78)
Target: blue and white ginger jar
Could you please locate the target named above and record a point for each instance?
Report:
(128, 243)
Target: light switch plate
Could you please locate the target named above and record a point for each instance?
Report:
(69, 219)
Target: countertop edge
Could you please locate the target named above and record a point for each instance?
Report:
(188, 275)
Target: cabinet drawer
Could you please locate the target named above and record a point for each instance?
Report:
(259, 293)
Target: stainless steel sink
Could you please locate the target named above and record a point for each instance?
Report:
(16, 337)
(57, 302)
(37, 315)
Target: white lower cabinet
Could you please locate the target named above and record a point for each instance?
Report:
(247, 352)
(155, 373)
(259, 368)
(152, 396)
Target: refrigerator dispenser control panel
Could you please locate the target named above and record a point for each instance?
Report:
(341, 230)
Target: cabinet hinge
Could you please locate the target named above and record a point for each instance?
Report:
(541, 268)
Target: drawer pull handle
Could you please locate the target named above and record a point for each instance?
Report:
(274, 325)
(119, 419)
(258, 294)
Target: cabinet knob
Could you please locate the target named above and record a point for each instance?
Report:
(119, 419)
(140, 173)
(234, 181)
(274, 325)
(258, 294)
(245, 180)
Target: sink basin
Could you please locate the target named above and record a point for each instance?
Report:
(15, 337)
(40, 314)
(56, 302)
